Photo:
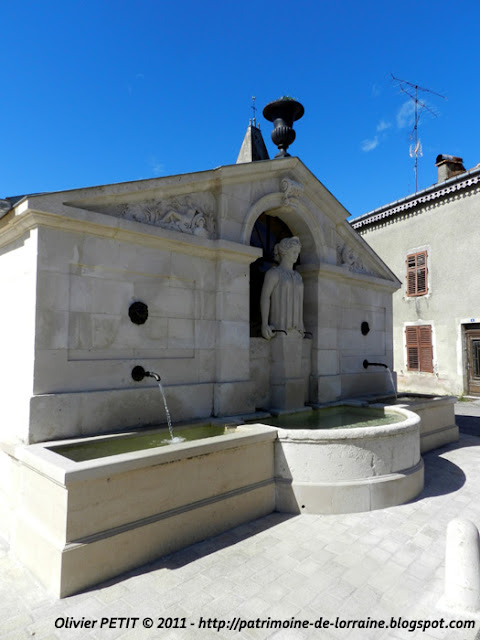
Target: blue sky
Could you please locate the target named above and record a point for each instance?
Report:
(97, 92)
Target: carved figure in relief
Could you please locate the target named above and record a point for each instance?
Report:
(281, 300)
(177, 214)
(199, 226)
(180, 216)
(291, 189)
(346, 258)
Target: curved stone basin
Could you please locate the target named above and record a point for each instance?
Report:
(346, 470)
(437, 415)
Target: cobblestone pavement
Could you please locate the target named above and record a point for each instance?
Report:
(368, 566)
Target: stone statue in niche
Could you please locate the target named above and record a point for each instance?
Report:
(281, 300)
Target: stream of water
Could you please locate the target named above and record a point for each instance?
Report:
(392, 382)
(169, 419)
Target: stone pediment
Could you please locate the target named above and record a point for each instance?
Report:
(355, 256)
(186, 205)
(192, 214)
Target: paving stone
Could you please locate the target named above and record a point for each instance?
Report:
(17, 635)
(359, 573)
(16, 623)
(288, 634)
(254, 607)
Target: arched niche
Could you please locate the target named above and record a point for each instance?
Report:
(288, 217)
(267, 231)
(299, 219)
(269, 228)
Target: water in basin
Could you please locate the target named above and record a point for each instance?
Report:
(405, 398)
(335, 418)
(111, 446)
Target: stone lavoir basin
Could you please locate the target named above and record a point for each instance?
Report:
(87, 513)
(437, 415)
(77, 523)
(103, 447)
(370, 463)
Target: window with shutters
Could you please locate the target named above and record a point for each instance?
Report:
(419, 348)
(417, 274)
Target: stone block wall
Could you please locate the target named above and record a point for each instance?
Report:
(17, 333)
(78, 346)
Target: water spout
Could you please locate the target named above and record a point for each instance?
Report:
(138, 374)
(367, 364)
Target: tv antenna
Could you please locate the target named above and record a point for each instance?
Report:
(412, 90)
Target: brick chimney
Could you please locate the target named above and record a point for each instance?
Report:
(448, 166)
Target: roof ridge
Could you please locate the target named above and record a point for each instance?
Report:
(433, 192)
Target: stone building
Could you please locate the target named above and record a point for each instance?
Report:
(430, 241)
(74, 263)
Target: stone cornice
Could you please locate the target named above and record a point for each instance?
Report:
(212, 180)
(15, 226)
(207, 180)
(335, 272)
(408, 205)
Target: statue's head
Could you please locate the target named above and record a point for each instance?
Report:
(286, 245)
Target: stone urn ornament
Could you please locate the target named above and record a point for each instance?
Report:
(283, 113)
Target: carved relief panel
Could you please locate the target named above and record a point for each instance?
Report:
(193, 214)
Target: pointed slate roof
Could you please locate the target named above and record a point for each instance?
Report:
(253, 147)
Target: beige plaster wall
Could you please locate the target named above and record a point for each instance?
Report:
(448, 231)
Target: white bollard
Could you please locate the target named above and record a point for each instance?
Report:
(462, 566)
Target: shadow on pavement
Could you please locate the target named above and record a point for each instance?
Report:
(201, 549)
(441, 476)
(469, 424)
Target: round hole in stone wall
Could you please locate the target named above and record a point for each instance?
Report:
(365, 328)
(138, 312)
(138, 373)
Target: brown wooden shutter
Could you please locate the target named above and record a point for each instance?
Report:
(419, 348)
(426, 350)
(417, 274)
(421, 273)
(412, 349)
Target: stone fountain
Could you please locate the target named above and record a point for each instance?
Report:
(244, 286)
